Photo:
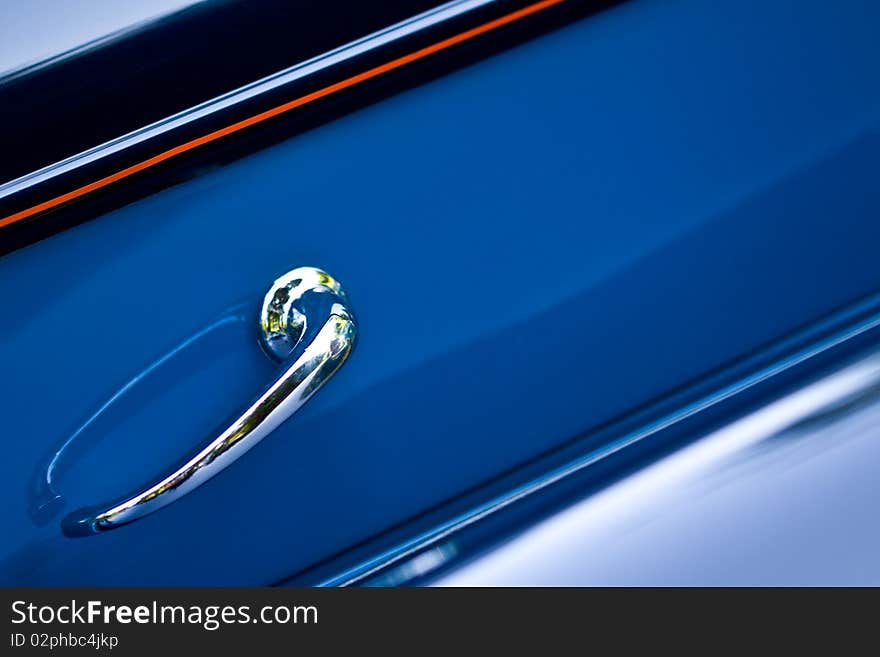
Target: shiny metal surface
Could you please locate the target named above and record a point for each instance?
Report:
(306, 324)
(785, 495)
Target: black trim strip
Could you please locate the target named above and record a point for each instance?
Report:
(22, 210)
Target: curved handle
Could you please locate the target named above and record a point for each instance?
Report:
(305, 323)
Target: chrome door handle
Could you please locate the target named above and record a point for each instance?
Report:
(306, 324)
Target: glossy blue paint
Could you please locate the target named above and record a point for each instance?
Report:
(784, 496)
(534, 245)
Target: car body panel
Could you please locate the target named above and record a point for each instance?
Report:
(534, 245)
(785, 496)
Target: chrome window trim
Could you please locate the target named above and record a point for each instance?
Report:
(247, 92)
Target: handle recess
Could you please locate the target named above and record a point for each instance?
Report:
(305, 324)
